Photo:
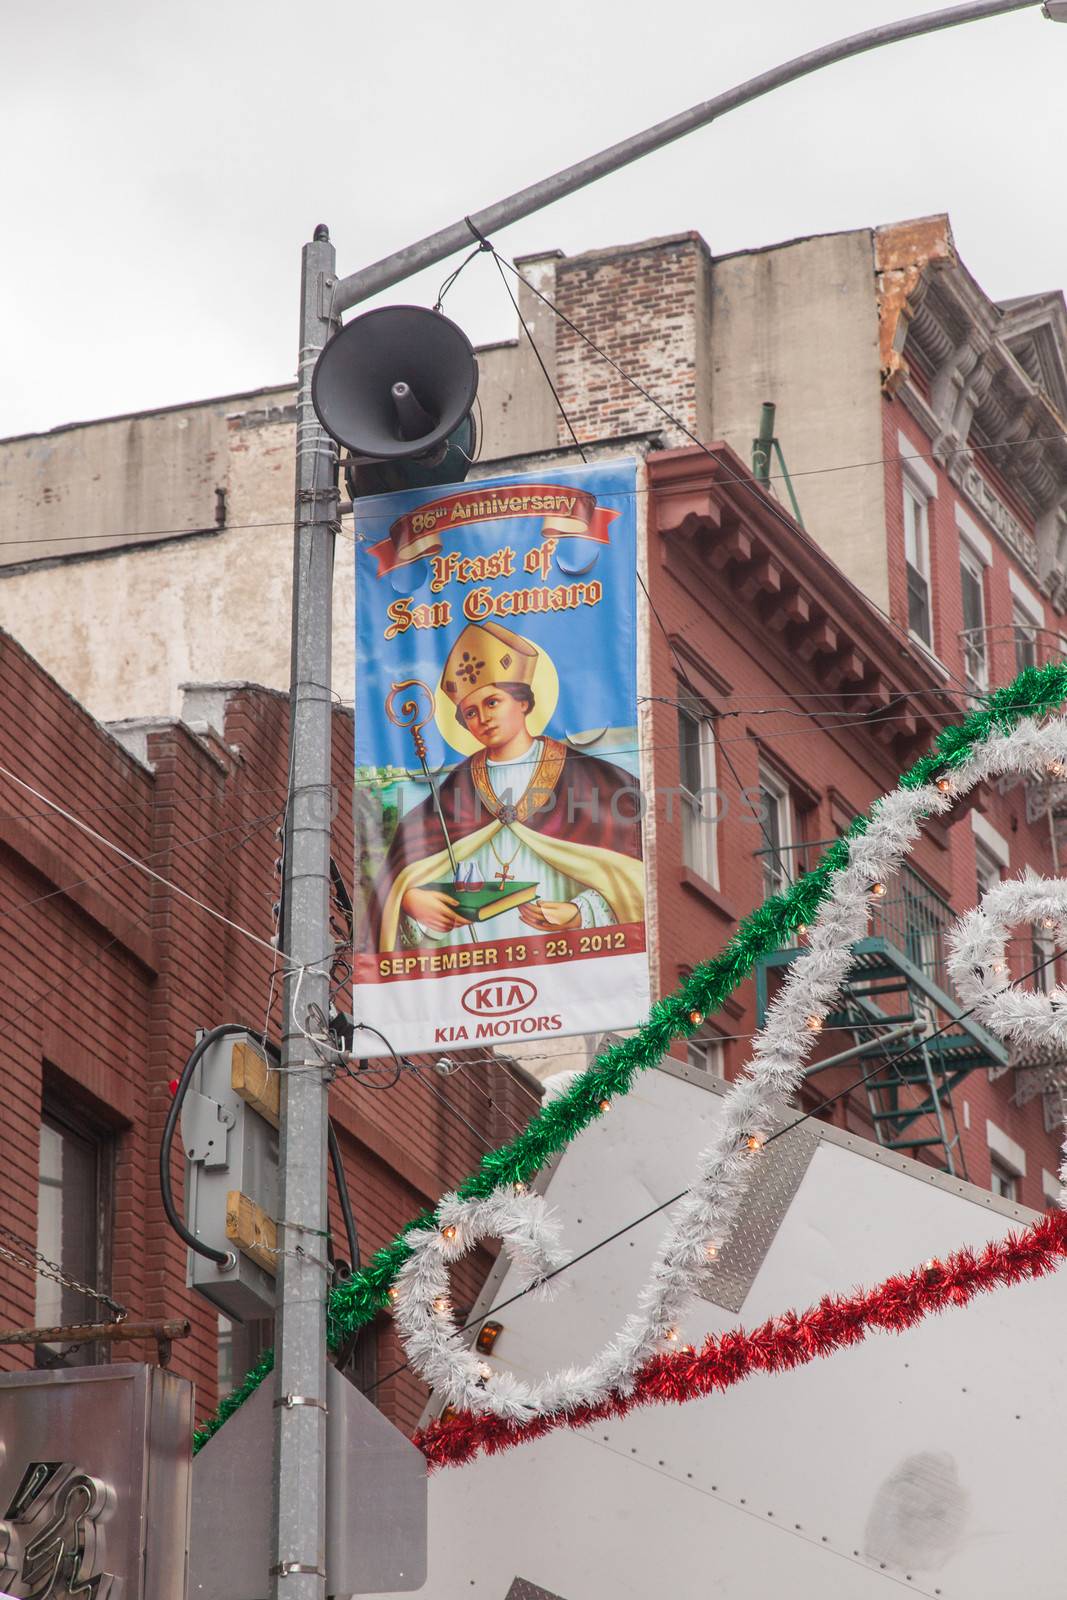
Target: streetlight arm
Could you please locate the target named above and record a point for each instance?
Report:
(438, 246)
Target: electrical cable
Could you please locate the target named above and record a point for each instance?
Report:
(223, 1031)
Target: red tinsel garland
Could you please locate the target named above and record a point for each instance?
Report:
(785, 1341)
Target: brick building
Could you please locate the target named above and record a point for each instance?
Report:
(923, 425)
(776, 683)
(106, 973)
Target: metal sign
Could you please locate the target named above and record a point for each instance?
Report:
(375, 1502)
(499, 874)
(94, 1484)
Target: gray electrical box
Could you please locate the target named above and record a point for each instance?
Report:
(229, 1128)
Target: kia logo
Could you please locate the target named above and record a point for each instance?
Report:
(498, 997)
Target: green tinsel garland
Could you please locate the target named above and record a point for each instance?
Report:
(358, 1301)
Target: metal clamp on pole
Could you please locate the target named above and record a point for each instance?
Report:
(290, 1569)
(290, 1400)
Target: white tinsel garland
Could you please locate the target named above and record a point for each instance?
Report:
(978, 966)
(701, 1222)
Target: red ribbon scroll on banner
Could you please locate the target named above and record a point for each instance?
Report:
(567, 514)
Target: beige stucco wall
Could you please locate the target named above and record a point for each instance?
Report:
(122, 629)
(798, 324)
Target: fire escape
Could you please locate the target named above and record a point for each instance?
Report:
(897, 979)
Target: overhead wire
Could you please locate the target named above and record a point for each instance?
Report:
(120, 537)
(133, 861)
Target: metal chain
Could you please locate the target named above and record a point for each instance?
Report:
(50, 1269)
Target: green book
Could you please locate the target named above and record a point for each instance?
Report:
(478, 905)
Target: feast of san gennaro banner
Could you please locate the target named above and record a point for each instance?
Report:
(499, 875)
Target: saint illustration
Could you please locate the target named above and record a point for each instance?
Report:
(528, 834)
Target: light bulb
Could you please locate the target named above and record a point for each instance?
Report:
(448, 1233)
(930, 1265)
(802, 929)
(1056, 769)
(945, 785)
(520, 1188)
(605, 1105)
(393, 1294)
(484, 1370)
(1047, 922)
(440, 1305)
(754, 1142)
(711, 1251)
(878, 890)
(671, 1335)
(696, 1018)
(813, 1023)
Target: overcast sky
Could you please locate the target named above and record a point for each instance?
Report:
(164, 163)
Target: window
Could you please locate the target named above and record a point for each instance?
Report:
(776, 827)
(987, 868)
(975, 645)
(73, 1230)
(1002, 1180)
(917, 562)
(707, 1055)
(240, 1345)
(696, 752)
(1042, 961)
(1025, 639)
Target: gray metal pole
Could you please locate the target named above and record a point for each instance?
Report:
(437, 246)
(299, 1541)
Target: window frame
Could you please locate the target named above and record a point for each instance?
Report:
(712, 1048)
(918, 536)
(975, 651)
(1003, 1182)
(983, 855)
(700, 826)
(1023, 627)
(777, 873)
(92, 1135)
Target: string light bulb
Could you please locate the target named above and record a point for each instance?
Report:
(945, 785)
(711, 1251)
(520, 1188)
(448, 1234)
(930, 1265)
(394, 1294)
(1056, 769)
(696, 1018)
(671, 1335)
(605, 1105)
(813, 1024)
(1048, 922)
(485, 1371)
(753, 1142)
(802, 929)
(440, 1305)
(878, 889)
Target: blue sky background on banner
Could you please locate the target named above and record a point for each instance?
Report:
(593, 647)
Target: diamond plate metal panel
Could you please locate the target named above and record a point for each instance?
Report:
(521, 1589)
(781, 1167)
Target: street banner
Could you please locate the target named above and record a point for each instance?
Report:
(500, 894)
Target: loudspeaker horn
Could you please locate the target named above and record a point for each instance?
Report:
(394, 384)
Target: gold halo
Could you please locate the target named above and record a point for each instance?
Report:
(545, 686)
